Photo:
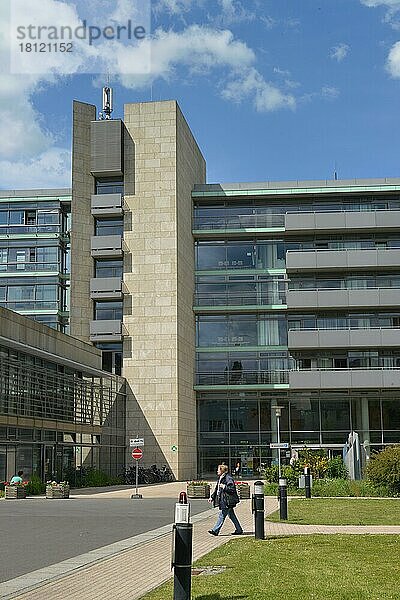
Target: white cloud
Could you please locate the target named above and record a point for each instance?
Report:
(388, 3)
(392, 10)
(393, 62)
(266, 97)
(233, 11)
(174, 6)
(51, 168)
(330, 92)
(283, 72)
(30, 155)
(201, 49)
(339, 52)
(268, 21)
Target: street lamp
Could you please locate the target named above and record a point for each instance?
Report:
(278, 412)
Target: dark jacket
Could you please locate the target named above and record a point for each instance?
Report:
(219, 497)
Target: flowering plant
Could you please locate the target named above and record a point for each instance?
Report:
(56, 484)
(16, 483)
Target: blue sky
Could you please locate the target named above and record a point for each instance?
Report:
(272, 89)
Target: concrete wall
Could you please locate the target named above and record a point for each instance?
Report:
(162, 162)
(20, 330)
(82, 221)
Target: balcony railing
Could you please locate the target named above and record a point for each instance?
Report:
(29, 266)
(239, 299)
(261, 221)
(31, 305)
(31, 229)
(242, 378)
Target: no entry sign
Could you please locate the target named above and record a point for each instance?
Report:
(137, 453)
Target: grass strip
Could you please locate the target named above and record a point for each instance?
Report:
(318, 567)
(341, 511)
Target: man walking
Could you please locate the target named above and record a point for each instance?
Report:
(225, 497)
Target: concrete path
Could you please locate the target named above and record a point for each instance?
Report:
(129, 569)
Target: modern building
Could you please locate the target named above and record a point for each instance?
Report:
(34, 254)
(218, 302)
(59, 411)
(297, 304)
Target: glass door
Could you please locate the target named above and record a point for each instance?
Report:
(48, 463)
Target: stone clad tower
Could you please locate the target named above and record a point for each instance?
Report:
(154, 156)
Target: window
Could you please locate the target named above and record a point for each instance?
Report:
(109, 226)
(109, 185)
(3, 259)
(30, 217)
(108, 268)
(108, 311)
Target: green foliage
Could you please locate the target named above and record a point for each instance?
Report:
(336, 469)
(346, 487)
(316, 460)
(90, 478)
(35, 486)
(271, 489)
(384, 469)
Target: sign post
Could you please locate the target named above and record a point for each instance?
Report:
(137, 454)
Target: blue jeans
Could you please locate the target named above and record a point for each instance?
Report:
(227, 512)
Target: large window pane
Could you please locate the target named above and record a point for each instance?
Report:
(304, 415)
(211, 256)
(244, 415)
(335, 414)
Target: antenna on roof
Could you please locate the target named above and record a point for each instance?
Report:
(107, 101)
(335, 173)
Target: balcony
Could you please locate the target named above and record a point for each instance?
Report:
(242, 300)
(242, 378)
(342, 298)
(106, 205)
(106, 288)
(298, 261)
(342, 221)
(106, 331)
(230, 223)
(103, 246)
(343, 338)
(320, 379)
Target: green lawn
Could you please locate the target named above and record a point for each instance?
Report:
(318, 567)
(328, 511)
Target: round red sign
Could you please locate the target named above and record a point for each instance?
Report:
(137, 453)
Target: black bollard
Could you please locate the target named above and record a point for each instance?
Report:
(182, 549)
(258, 510)
(283, 511)
(307, 481)
(182, 560)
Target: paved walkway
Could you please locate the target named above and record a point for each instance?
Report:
(133, 567)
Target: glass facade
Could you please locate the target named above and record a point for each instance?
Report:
(84, 416)
(243, 360)
(34, 257)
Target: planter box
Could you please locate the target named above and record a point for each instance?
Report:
(14, 492)
(198, 491)
(57, 492)
(243, 490)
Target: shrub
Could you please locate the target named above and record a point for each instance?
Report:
(90, 478)
(35, 486)
(383, 469)
(336, 469)
(315, 459)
